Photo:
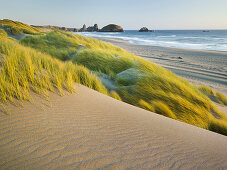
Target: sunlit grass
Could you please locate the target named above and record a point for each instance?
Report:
(221, 98)
(3, 33)
(145, 105)
(163, 109)
(23, 69)
(206, 90)
(114, 95)
(219, 126)
(55, 43)
(16, 28)
(217, 96)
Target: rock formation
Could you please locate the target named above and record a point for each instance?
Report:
(112, 28)
(144, 29)
(83, 29)
(72, 29)
(93, 28)
(96, 28)
(64, 29)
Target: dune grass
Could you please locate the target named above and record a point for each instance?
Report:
(55, 43)
(218, 126)
(217, 96)
(23, 69)
(137, 81)
(114, 95)
(145, 105)
(221, 98)
(206, 90)
(16, 28)
(63, 45)
(163, 109)
(3, 33)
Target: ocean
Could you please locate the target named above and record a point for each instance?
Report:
(215, 40)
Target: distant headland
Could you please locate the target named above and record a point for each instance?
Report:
(95, 28)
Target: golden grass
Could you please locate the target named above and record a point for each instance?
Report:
(145, 105)
(55, 43)
(217, 96)
(221, 98)
(114, 95)
(206, 90)
(23, 69)
(16, 28)
(219, 126)
(3, 33)
(163, 109)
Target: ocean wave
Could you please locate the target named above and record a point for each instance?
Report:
(166, 36)
(202, 43)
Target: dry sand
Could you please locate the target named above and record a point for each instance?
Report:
(89, 130)
(197, 66)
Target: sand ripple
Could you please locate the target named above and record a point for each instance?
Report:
(91, 131)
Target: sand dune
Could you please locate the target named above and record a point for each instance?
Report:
(89, 130)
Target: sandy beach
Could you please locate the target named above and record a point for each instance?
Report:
(116, 85)
(89, 130)
(197, 66)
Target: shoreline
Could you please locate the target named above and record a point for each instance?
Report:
(197, 66)
(118, 41)
(156, 46)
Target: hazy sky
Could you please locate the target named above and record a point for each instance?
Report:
(131, 14)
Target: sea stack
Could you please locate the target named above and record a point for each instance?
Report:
(145, 29)
(112, 28)
(96, 28)
(92, 29)
(83, 29)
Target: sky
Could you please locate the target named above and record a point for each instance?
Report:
(130, 14)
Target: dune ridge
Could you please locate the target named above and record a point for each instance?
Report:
(90, 130)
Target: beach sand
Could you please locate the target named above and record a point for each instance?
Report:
(197, 66)
(89, 130)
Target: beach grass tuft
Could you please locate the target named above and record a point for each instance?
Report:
(206, 90)
(217, 96)
(115, 95)
(163, 109)
(145, 105)
(3, 33)
(221, 98)
(219, 126)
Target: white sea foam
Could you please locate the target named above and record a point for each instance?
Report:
(187, 40)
